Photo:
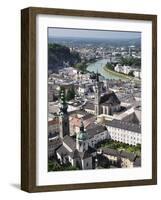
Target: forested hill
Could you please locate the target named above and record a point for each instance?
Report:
(60, 56)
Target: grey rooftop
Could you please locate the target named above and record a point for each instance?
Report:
(69, 141)
(124, 125)
(96, 129)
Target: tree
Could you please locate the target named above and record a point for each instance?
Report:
(131, 73)
(70, 94)
(53, 166)
(104, 162)
(110, 66)
(81, 66)
(60, 55)
(70, 167)
(131, 61)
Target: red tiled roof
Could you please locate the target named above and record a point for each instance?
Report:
(77, 121)
(53, 122)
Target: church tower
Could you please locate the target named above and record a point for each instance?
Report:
(97, 95)
(63, 116)
(130, 52)
(81, 140)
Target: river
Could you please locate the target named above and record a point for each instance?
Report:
(99, 65)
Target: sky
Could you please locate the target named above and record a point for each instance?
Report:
(62, 32)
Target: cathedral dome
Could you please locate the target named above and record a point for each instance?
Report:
(82, 136)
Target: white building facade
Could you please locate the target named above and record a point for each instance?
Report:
(124, 132)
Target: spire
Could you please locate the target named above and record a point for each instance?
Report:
(97, 76)
(63, 116)
(82, 135)
(62, 97)
(82, 139)
(97, 94)
(81, 126)
(63, 105)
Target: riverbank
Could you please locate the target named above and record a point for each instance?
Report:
(125, 77)
(98, 66)
(82, 66)
(117, 73)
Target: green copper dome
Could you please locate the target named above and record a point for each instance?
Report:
(82, 135)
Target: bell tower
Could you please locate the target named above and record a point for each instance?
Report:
(81, 140)
(63, 116)
(97, 95)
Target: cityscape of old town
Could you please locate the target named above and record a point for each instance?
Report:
(94, 99)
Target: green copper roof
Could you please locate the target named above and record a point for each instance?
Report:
(82, 135)
(63, 106)
(62, 97)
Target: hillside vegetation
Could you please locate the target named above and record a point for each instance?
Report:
(60, 56)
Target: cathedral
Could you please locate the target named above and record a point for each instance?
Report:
(107, 103)
(76, 152)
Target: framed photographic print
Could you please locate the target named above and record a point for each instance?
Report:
(89, 99)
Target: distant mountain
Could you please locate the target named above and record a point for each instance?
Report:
(60, 56)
